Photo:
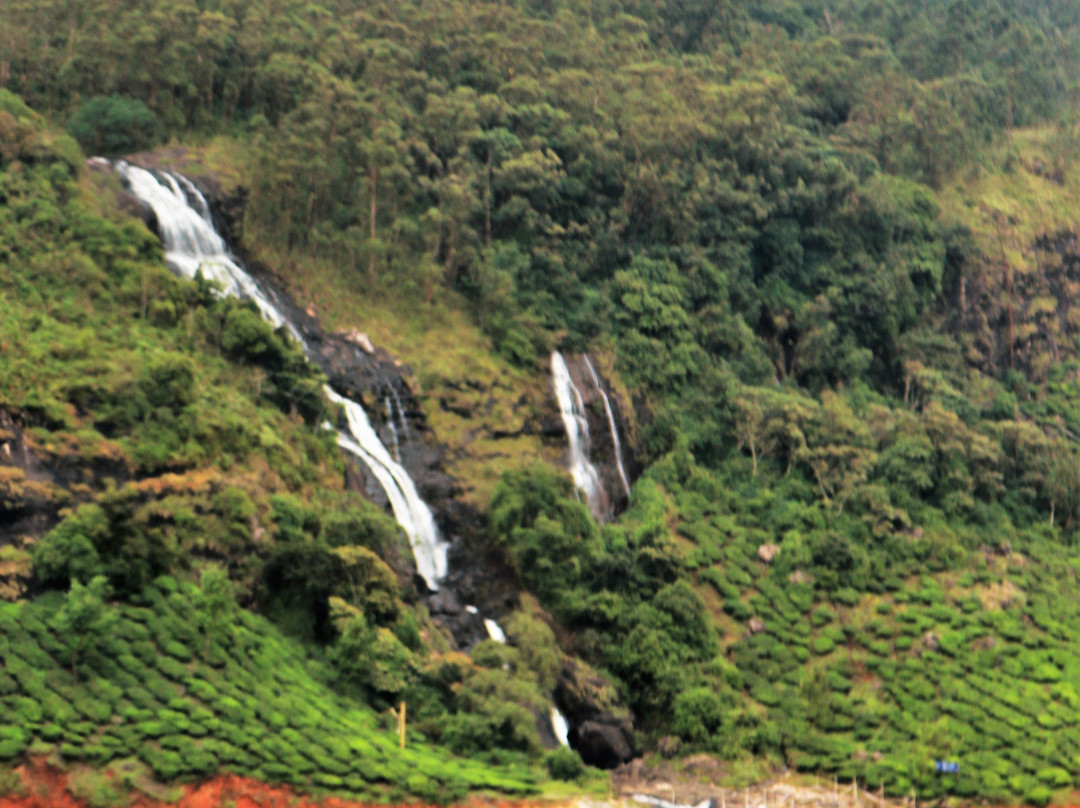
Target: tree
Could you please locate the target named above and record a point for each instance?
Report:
(113, 124)
(84, 618)
(214, 603)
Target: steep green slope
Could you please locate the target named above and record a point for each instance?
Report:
(255, 705)
(836, 280)
(151, 427)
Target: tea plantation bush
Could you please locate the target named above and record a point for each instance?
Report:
(259, 712)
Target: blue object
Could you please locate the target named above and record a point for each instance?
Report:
(946, 766)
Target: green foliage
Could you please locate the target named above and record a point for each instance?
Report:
(564, 764)
(113, 124)
(751, 210)
(279, 714)
(84, 619)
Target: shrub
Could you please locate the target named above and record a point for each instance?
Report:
(167, 765)
(845, 596)
(564, 764)
(113, 125)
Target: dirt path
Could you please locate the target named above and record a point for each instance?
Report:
(693, 782)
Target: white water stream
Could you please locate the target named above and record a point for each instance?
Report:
(611, 425)
(411, 512)
(494, 630)
(191, 245)
(572, 409)
(558, 723)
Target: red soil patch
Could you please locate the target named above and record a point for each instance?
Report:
(45, 786)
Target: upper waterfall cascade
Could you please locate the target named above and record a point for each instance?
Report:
(193, 245)
(191, 242)
(572, 409)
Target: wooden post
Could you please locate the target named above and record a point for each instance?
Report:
(401, 726)
(836, 791)
(855, 790)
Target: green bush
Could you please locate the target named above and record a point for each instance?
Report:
(113, 124)
(564, 764)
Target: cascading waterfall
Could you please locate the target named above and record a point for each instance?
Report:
(191, 242)
(560, 727)
(191, 245)
(558, 720)
(611, 425)
(494, 630)
(572, 409)
(411, 512)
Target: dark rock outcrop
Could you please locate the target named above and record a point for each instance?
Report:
(601, 728)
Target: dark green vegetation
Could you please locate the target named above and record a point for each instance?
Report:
(788, 225)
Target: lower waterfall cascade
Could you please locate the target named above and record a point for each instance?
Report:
(192, 245)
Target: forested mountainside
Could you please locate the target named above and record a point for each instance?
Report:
(823, 257)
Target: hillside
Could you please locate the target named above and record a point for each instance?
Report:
(816, 266)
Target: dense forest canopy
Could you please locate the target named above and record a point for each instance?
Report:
(761, 211)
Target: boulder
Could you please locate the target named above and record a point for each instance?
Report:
(604, 746)
(361, 340)
(601, 726)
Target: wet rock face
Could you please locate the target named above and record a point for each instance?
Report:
(601, 728)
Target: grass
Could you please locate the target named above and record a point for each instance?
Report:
(256, 708)
(1005, 198)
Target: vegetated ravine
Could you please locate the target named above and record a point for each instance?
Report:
(193, 247)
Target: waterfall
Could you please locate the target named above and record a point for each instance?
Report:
(611, 425)
(558, 720)
(494, 630)
(411, 512)
(559, 726)
(572, 409)
(191, 245)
